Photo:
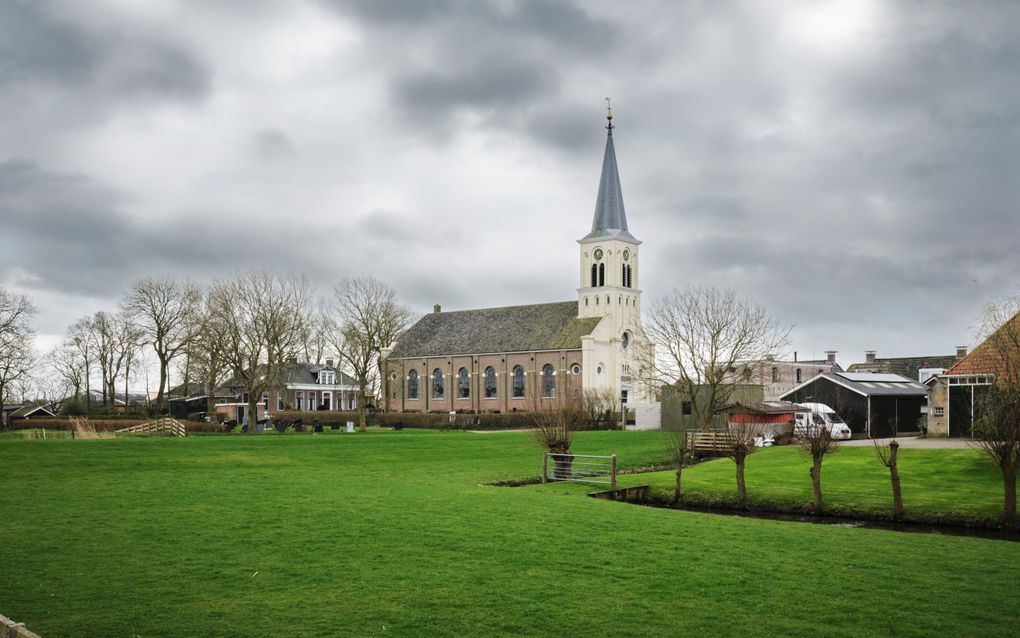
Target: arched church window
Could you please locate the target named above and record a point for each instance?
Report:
(490, 383)
(623, 275)
(463, 384)
(594, 275)
(518, 383)
(412, 385)
(437, 384)
(602, 274)
(548, 381)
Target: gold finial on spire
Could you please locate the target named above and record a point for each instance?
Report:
(609, 115)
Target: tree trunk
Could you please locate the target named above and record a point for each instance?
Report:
(253, 413)
(741, 488)
(676, 492)
(816, 483)
(164, 365)
(894, 474)
(1009, 495)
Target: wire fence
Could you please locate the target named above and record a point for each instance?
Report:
(579, 468)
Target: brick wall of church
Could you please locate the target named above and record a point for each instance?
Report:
(568, 384)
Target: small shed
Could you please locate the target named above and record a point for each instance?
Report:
(872, 404)
(773, 417)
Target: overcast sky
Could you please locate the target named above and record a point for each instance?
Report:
(853, 165)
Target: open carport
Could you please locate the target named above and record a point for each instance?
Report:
(872, 404)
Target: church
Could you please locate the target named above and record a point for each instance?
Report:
(540, 356)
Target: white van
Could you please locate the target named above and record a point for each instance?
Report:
(820, 416)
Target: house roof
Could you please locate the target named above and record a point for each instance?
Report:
(308, 373)
(984, 359)
(548, 326)
(610, 218)
(906, 366)
(770, 407)
(868, 384)
(29, 410)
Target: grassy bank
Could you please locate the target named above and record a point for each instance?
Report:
(950, 485)
(393, 533)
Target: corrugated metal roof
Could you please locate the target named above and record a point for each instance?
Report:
(868, 385)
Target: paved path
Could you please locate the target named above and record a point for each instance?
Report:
(917, 442)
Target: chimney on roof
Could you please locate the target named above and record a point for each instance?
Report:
(795, 356)
(329, 363)
(830, 356)
(869, 356)
(436, 309)
(961, 352)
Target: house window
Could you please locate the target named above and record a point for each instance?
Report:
(775, 374)
(327, 398)
(437, 384)
(463, 383)
(279, 401)
(412, 385)
(939, 410)
(299, 400)
(798, 375)
(518, 383)
(265, 400)
(576, 369)
(548, 381)
(311, 400)
(490, 383)
(686, 408)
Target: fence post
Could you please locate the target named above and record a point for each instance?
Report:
(545, 466)
(614, 472)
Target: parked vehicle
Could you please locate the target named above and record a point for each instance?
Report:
(820, 416)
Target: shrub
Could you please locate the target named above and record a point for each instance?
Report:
(72, 407)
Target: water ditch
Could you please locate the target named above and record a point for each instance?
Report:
(640, 495)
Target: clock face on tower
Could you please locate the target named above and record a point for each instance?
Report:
(626, 254)
(598, 253)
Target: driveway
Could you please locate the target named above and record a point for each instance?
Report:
(918, 442)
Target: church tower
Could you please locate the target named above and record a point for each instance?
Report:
(609, 278)
(609, 253)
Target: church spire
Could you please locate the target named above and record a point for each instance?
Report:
(610, 217)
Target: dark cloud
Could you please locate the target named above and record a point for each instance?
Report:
(38, 47)
(273, 143)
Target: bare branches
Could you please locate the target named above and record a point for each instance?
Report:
(816, 441)
(163, 308)
(554, 429)
(707, 341)
(364, 319)
(598, 406)
(741, 444)
(887, 453)
(998, 436)
(680, 450)
(17, 352)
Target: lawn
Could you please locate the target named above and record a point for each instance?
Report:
(936, 484)
(394, 533)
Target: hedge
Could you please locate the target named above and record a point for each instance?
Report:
(106, 425)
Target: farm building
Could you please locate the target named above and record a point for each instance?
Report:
(872, 404)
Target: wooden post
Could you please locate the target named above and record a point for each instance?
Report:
(614, 471)
(545, 466)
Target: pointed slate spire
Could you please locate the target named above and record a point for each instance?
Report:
(610, 217)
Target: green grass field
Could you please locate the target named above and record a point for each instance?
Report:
(393, 533)
(936, 484)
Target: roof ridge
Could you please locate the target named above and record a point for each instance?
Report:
(527, 305)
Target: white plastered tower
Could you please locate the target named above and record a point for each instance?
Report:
(613, 352)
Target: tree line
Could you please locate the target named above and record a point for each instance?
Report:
(242, 330)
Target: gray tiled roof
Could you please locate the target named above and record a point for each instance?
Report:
(548, 326)
(610, 217)
(906, 366)
(308, 373)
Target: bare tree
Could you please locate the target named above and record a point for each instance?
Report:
(554, 432)
(208, 349)
(680, 448)
(598, 406)
(997, 428)
(17, 351)
(81, 342)
(258, 317)
(816, 441)
(364, 318)
(708, 340)
(740, 444)
(162, 308)
(887, 451)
